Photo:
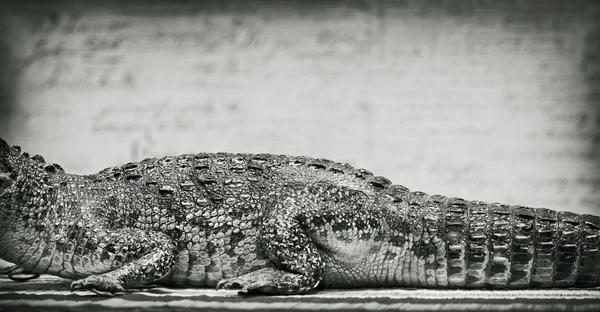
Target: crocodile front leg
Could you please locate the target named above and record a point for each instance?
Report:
(141, 257)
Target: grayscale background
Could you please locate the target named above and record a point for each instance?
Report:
(488, 100)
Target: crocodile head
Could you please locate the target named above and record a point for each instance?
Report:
(20, 168)
(24, 190)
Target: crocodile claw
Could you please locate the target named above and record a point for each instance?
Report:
(244, 286)
(265, 281)
(99, 284)
(229, 284)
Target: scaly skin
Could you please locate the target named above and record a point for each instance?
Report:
(275, 224)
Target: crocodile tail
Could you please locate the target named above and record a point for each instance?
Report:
(546, 248)
(475, 244)
(583, 261)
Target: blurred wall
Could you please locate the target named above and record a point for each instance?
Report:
(490, 100)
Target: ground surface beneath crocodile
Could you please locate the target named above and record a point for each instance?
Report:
(49, 293)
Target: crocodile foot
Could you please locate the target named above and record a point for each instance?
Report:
(267, 281)
(102, 285)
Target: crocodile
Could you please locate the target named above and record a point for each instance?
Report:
(275, 224)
